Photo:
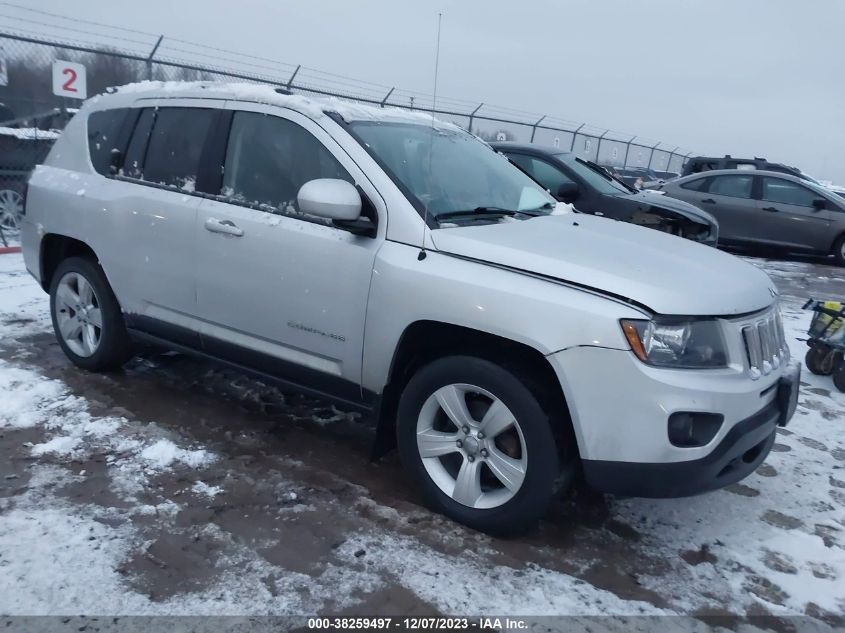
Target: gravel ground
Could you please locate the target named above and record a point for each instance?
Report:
(175, 487)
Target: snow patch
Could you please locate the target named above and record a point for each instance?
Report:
(203, 488)
(27, 396)
(314, 107)
(61, 445)
(164, 453)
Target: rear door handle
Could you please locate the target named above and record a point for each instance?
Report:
(770, 209)
(709, 201)
(227, 227)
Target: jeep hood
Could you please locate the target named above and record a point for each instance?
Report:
(667, 274)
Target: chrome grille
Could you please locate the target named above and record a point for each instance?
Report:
(765, 344)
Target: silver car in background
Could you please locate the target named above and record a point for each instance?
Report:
(400, 267)
(768, 209)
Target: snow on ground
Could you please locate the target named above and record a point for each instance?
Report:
(164, 510)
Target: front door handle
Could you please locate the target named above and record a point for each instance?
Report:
(770, 209)
(227, 227)
(709, 201)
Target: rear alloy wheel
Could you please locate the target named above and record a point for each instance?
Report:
(78, 314)
(478, 443)
(11, 209)
(86, 316)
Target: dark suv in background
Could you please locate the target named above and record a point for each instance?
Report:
(700, 164)
(591, 189)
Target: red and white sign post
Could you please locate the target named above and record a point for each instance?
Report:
(69, 80)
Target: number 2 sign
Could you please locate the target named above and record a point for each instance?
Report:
(69, 80)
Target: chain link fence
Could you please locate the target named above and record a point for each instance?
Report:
(31, 115)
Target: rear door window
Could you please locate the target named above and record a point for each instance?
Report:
(175, 146)
(103, 131)
(732, 186)
(133, 162)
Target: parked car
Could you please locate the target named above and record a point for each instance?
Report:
(590, 189)
(770, 209)
(400, 267)
(20, 150)
(701, 164)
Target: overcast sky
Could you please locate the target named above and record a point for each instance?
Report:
(745, 77)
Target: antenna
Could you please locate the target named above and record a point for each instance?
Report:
(422, 254)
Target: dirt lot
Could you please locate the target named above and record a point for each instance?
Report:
(175, 487)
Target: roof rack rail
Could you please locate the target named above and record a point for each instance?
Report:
(283, 91)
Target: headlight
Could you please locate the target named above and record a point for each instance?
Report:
(691, 344)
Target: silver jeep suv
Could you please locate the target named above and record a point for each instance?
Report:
(400, 267)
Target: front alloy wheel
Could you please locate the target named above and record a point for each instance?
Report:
(479, 444)
(471, 446)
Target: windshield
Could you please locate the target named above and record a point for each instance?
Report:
(447, 171)
(825, 192)
(807, 176)
(594, 177)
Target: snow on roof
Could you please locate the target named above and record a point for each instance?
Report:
(29, 133)
(314, 107)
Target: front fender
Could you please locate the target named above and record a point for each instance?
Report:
(545, 315)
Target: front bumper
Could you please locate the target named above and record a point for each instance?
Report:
(739, 454)
(621, 426)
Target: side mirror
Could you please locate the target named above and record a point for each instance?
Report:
(819, 204)
(568, 192)
(330, 198)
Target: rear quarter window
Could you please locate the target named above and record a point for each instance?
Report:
(103, 131)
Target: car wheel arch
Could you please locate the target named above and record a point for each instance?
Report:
(55, 248)
(425, 341)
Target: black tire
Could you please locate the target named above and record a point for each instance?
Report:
(839, 378)
(839, 250)
(531, 501)
(115, 346)
(820, 360)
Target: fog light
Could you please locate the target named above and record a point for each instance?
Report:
(688, 430)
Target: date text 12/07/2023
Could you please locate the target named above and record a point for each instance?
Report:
(419, 624)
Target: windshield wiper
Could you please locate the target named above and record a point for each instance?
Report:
(601, 171)
(476, 212)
